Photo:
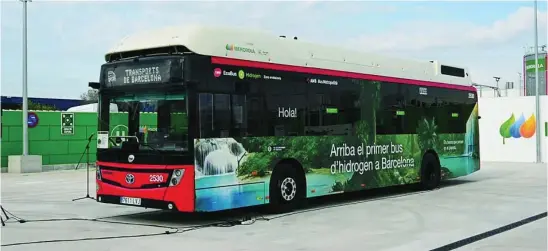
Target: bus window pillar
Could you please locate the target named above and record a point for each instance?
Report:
(164, 117)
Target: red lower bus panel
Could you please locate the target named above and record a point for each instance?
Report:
(182, 195)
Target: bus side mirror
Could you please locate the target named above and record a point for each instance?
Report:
(94, 85)
(479, 117)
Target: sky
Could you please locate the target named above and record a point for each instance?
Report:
(67, 40)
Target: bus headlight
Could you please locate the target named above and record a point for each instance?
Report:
(176, 177)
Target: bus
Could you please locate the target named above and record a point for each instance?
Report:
(217, 118)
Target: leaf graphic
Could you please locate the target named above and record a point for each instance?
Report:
(504, 129)
(515, 128)
(527, 130)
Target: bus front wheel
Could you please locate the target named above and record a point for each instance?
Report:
(286, 190)
(430, 172)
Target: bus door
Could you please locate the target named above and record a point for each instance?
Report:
(218, 153)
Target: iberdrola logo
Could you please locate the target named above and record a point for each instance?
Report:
(232, 47)
(517, 129)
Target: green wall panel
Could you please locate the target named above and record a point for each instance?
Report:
(11, 148)
(45, 139)
(4, 161)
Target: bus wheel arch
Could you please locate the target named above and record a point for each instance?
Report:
(430, 171)
(287, 174)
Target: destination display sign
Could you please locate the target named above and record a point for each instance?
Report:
(142, 72)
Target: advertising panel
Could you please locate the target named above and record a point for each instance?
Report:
(350, 154)
(529, 74)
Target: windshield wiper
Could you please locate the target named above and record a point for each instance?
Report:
(149, 146)
(139, 143)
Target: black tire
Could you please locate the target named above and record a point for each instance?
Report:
(430, 172)
(286, 190)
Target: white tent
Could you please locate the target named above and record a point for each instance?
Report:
(91, 108)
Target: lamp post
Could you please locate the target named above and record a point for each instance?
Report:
(537, 95)
(497, 92)
(25, 95)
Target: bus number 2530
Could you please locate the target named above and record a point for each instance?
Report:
(155, 178)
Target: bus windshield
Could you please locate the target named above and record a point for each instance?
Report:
(158, 120)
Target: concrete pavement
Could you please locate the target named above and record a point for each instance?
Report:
(499, 194)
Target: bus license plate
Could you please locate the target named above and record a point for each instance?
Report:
(130, 201)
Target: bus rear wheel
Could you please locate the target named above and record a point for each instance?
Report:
(286, 190)
(430, 172)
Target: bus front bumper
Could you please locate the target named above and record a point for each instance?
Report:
(179, 197)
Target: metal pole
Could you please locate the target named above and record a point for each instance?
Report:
(25, 98)
(537, 95)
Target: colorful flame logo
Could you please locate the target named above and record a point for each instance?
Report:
(229, 47)
(512, 128)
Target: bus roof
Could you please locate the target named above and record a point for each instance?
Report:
(260, 46)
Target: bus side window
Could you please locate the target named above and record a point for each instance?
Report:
(215, 115)
(332, 110)
(285, 106)
(285, 114)
(256, 116)
(458, 111)
(419, 107)
(205, 111)
(392, 110)
(239, 121)
(222, 115)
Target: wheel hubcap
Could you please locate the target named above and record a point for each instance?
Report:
(288, 189)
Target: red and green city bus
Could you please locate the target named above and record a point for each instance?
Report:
(213, 118)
